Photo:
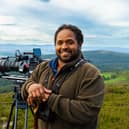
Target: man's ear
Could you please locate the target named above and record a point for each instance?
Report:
(80, 45)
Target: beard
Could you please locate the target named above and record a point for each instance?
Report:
(68, 56)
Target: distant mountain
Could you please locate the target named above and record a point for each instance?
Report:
(108, 60)
(114, 49)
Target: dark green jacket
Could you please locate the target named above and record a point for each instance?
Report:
(80, 96)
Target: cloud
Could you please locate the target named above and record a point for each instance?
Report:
(102, 11)
(7, 20)
(119, 23)
(24, 33)
(37, 20)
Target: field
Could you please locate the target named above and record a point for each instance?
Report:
(115, 110)
(114, 113)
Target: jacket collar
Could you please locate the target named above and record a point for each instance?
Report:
(53, 64)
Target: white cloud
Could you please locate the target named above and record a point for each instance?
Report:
(97, 36)
(103, 11)
(14, 3)
(90, 36)
(7, 20)
(119, 23)
(36, 20)
(23, 33)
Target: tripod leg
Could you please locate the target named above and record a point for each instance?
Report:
(10, 115)
(26, 117)
(16, 116)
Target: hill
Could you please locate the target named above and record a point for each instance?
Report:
(105, 60)
(108, 60)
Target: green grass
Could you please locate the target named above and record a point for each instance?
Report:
(6, 100)
(116, 77)
(115, 110)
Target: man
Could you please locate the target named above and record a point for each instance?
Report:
(66, 92)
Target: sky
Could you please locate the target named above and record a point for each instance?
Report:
(104, 23)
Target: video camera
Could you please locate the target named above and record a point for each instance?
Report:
(23, 63)
(19, 68)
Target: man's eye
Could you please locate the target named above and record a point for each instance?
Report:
(70, 42)
(59, 43)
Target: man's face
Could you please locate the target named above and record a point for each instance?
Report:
(67, 47)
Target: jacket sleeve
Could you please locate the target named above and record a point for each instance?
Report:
(85, 107)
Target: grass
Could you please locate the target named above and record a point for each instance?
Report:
(6, 100)
(113, 115)
(116, 77)
(115, 111)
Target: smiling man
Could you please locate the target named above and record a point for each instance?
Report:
(67, 47)
(66, 92)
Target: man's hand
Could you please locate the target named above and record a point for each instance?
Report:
(37, 91)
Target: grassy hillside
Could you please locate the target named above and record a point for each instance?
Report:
(114, 113)
(108, 60)
(6, 86)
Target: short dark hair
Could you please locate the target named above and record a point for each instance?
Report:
(75, 29)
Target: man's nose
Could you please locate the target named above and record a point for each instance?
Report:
(64, 45)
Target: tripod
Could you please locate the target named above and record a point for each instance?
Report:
(18, 103)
